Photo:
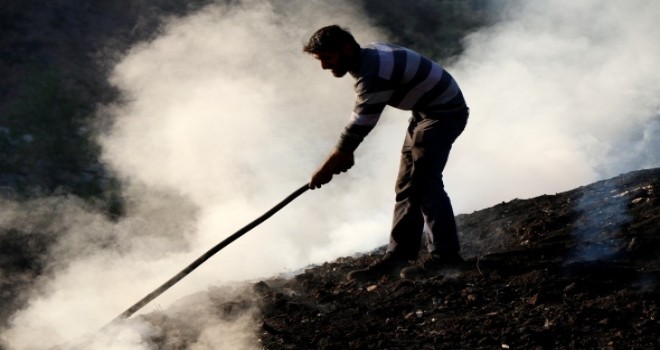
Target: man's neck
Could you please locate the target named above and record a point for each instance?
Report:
(355, 64)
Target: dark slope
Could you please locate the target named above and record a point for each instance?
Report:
(575, 270)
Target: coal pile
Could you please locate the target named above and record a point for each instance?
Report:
(575, 270)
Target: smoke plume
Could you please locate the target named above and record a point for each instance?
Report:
(562, 93)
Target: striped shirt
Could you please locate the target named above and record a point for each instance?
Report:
(401, 78)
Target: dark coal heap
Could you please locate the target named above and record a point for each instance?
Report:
(574, 270)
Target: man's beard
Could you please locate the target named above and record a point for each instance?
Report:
(342, 67)
(339, 72)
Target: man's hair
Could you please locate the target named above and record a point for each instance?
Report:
(330, 38)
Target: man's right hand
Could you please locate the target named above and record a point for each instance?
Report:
(337, 162)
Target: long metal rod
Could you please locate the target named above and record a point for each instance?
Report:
(158, 291)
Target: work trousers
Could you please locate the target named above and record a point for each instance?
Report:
(423, 208)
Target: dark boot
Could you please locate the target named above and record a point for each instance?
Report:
(385, 266)
(432, 265)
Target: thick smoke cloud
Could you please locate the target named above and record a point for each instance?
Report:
(223, 116)
(562, 93)
(226, 110)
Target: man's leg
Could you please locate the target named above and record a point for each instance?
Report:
(408, 222)
(433, 141)
(420, 197)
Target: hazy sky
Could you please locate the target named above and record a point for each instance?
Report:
(225, 116)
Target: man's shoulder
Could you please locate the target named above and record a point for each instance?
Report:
(369, 63)
(387, 47)
(383, 46)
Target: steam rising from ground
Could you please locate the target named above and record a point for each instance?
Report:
(225, 116)
(562, 93)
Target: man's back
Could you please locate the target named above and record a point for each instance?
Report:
(402, 78)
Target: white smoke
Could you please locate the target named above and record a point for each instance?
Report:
(225, 116)
(562, 93)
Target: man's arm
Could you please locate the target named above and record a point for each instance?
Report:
(337, 162)
(367, 110)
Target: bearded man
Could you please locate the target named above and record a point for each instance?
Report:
(390, 75)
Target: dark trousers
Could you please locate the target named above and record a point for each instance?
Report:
(423, 208)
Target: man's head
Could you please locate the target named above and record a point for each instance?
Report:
(335, 48)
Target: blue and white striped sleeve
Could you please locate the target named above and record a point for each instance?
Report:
(369, 105)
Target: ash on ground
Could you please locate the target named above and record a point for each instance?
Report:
(574, 270)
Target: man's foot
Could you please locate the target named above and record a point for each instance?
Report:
(385, 266)
(432, 265)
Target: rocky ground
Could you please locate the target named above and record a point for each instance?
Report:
(575, 270)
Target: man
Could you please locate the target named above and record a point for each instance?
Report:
(386, 74)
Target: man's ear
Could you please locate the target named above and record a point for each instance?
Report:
(348, 50)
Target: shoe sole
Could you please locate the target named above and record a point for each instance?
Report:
(441, 272)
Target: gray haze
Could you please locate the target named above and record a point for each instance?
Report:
(562, 93)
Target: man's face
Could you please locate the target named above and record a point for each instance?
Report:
(334, 61)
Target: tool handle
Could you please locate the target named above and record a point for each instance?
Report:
(158, 291)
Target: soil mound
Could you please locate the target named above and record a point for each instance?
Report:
(575, 270)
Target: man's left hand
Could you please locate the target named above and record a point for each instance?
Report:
(337, 162)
